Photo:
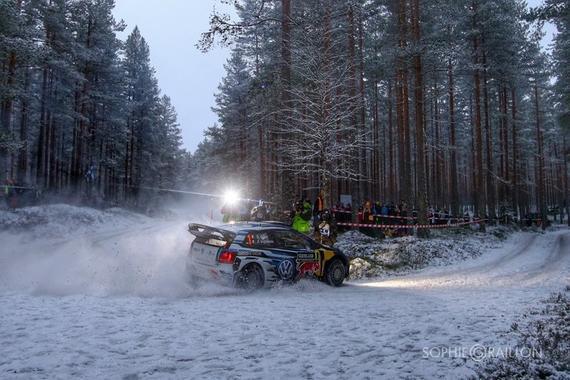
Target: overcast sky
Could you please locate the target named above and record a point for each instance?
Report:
(189, 77)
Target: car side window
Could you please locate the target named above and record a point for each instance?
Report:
(311, 244)
(290, 240)
(263, 239)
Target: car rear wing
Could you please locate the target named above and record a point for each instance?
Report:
(211, 235)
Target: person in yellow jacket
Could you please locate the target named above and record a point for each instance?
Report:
(302, 218)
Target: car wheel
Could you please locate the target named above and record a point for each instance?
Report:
(336, 273)
(250, 278)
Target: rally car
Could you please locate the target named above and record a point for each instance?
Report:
(258, 255)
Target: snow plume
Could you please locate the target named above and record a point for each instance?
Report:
(200, 209)
(105, 253)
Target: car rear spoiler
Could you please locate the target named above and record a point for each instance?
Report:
(206, 232)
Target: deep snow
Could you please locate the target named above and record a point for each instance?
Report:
(109, 300)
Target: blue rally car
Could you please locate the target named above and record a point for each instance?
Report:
(257, 255)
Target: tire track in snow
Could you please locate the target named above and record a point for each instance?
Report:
(554, 265)
(525, 264)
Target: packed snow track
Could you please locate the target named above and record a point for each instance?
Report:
(114, 304)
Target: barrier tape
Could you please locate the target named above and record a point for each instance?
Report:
(409, 226)
(378, 216)
(396, 217)
(429, 217)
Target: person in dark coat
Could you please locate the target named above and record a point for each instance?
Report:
(318, 207)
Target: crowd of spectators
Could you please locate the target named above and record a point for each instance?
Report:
(388, 213)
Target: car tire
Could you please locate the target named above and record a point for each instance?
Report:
(250, 278)
(335, 273)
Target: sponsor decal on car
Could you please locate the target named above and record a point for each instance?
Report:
(250, 253)
(286, 269)
(306, 256)
(308, 268)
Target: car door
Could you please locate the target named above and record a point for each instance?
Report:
(297, 254)
(310, 261)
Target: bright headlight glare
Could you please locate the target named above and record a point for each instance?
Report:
(231, 197)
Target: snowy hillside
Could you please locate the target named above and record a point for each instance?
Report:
(54, 221)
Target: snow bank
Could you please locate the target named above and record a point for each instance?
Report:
(381, 257)
(543, 348)
(60, 220)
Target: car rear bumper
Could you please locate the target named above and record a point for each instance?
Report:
(221, 274)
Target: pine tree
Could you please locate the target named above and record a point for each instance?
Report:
(141, 93)
(170, 145)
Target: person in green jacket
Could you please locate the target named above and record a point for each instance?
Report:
(302, 218)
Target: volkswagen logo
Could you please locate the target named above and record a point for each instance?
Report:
(285, 269)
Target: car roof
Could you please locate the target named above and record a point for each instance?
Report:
(255, 226)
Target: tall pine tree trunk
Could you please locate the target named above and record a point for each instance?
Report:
(285, 180)
(6, 117)
(491, 202)
(41, 146)
(502, 143)
(376, 145)
(515, 169)
(359, 189)
(419, 113)
(392, 164)
(454, 186)
(539, 162)
(439, 198)
(473, 185)
(24, 149)
(478, 144)
(565, 167)
(365, 190)
(403, 112)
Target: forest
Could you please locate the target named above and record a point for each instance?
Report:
(443, 104)
(81, 111)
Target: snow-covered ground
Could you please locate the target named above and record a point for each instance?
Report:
(109, 300)
(398, 256)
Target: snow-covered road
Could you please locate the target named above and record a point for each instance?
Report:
(115, 305)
